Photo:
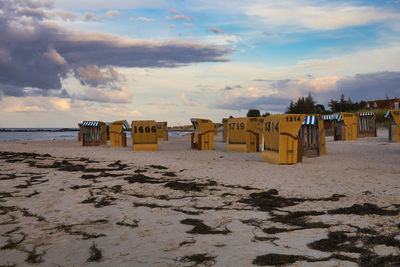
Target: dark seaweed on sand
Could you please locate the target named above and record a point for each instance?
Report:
(189, 186)
(197, 259)
(68, 228)
(95, 253)
(201, 228)
(134, 224)
(365, 209)
(143, 179)
(159, 167)
(33, 257)
(269, 200)
(11, 243)
(169, 174)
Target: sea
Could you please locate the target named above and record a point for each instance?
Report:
(36, 134)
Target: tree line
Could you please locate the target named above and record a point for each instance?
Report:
(307, 105)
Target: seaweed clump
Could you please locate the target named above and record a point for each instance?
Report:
(203, 229)
(277, 259)
(197, 259)
(337, 242)
(95, 253)
(269, 200)
(142, 179)
(134, 224)
(189, 186)
(34, 257)
(365, 209)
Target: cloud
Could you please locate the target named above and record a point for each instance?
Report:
(162, 105)
(216, 30)
(113, 13)
(107, 4)
(60, 104)
(36, 55)
(277, 95)
(35, 13)
(22, 108)
(222, 39)
(105, 95)
(181, 17)
(94, 76)
(325, 16)
(185, 101)
(67, 16)
(145, 19)
(371, 86)
(188, 25)
(89, 16)
(174, 11)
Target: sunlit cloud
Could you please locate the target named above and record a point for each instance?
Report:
(113, 13)
(325, 16)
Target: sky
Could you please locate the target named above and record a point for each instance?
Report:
(65, 61)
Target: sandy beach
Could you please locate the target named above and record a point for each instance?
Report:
(62, 204)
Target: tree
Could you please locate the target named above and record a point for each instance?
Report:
(265, 114)
(303, 105)
(253, 113)
(344, 105)
(320, 109)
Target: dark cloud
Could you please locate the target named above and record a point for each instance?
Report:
(228, 87)
(37, 54)
(94, 76)
(371, 86)
(368, 86)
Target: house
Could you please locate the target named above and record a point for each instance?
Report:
(384, 104)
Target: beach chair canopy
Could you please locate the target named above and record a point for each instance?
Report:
(310, 120)
(337, 117)
(126, 126)
(327, 117)
(347, 118)
(364, 114)
(91, 123)
(394, 114)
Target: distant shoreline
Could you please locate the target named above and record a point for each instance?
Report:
(40, 130)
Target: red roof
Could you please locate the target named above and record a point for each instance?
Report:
(382, 104)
